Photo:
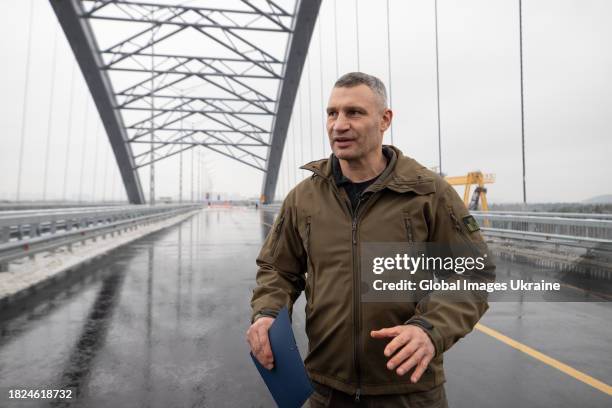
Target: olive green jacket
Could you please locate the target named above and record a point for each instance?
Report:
(314, 245)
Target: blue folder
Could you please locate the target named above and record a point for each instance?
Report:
(287, 381)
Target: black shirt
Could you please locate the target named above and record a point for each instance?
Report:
(353, 190)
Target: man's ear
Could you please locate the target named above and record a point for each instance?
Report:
(386, 119)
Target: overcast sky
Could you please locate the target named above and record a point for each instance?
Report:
(568, 99)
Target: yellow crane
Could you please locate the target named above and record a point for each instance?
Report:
(480, 192)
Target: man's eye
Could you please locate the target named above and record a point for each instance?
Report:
(331, 114)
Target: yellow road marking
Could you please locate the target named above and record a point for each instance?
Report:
(572, 372)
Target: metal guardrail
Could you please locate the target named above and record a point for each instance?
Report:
(26, 233)
(34, 223)
(45, 205)
(567, 240)
(595, 216)
(589, 231)
(560, 228)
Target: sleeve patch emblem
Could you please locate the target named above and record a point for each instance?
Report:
(470, 223)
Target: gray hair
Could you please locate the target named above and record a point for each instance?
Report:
(358, 78)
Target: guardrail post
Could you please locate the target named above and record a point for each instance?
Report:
(5, 234)
(4, 266)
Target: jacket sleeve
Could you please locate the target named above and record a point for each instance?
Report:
(281, 265)
(447, 317)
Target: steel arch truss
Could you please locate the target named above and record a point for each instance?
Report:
(199, 73)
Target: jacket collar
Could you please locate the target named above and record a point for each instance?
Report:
(340, 179)
(401, 175)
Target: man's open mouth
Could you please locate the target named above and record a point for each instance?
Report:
(343, 139)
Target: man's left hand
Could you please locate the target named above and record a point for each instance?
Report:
(410, 347)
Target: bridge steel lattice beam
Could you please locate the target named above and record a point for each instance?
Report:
(236, 103)
(297, 51)
(83, 43)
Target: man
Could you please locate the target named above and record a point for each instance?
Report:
(376, 353)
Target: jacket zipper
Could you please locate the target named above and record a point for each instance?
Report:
(356, 308)
(356, 284)
(357, 292)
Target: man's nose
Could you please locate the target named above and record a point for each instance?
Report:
(341, 124)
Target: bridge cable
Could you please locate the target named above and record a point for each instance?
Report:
(25, 101)
(84, 149)
(114, 196)
(357, 32)
(280, 184)
(113, 184)
(69, 130)
(438, 89)
(95, 163)
(293, 137)
(301, 130)
(104, 178)
(292, 161)
(181, 176)
(321, 85)
(199, 181)
(389, 65)
(283, 192)
(522, 100)
(50, 116)
(278, 188)
(290, 147)
(182, 133)
(312, 156)
(287, 181)
(336, 35)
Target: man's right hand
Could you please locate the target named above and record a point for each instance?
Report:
(257, 337)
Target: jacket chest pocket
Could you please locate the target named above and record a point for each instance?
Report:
(277, 235)
(414, 227)
(407, 223)
(413, 199)
(270, 249)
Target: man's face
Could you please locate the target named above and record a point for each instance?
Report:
(356, 121)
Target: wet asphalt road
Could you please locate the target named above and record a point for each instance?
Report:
(161, 322)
